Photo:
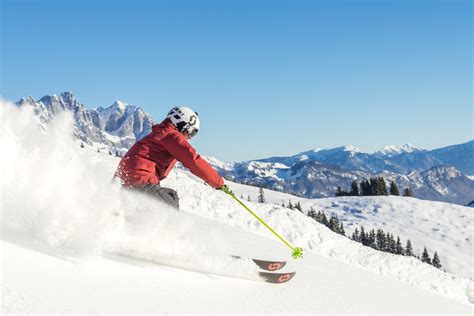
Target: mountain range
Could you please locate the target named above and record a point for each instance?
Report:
(119, 126)
(438, 174)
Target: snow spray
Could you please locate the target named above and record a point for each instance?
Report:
(57, 198)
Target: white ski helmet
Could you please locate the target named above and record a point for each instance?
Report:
(185, 120)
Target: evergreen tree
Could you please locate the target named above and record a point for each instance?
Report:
(436, 262)
(290, 205)
(363, 237)
(319, 217)
(298, 207)
(392, 244)
(373, 186)
(407, 192)
(364, 188)
(409, 249)
(334, 223)
(341, 229)
(382, 187)
(371, 239)
(394, 188)
(381, 240)
(324, 219)
(425, 257)
(368, 189)
(354, 189)
(312, 213)
(283, 204)
(261, 195)
(338, 191)
(398, 247)
(98, 150)
(355, 235)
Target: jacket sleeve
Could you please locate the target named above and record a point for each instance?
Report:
(180, 149)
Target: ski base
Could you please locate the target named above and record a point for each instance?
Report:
(262, 276)
(267, 265)
(276, 278)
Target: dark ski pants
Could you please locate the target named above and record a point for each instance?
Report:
(169, 196)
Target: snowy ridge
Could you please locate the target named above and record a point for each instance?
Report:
(397, 149)
(77, 219)
(398, 159)
(314, 179)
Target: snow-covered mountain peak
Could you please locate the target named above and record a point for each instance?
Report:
(119, 105)
(67, 96)
(351, 148)
(397, 149)
(119, 125)
(219, 163)
(323, 151)
(447, 172)
(26, 100)
(315, 150)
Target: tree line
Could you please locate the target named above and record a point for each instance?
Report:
(371, 187)
(378, 240)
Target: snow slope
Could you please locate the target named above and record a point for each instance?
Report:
(62, 215)
(442, 227)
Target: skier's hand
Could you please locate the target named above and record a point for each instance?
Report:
(224, 188)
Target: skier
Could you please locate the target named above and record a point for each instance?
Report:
(151, 159)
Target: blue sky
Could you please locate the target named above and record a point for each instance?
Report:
(267, 77)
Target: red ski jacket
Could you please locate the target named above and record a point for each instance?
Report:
(151, 159)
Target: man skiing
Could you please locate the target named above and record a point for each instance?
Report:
(151, 159)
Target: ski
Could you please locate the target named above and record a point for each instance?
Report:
(262, 276)
(267, 265)
(277, 278)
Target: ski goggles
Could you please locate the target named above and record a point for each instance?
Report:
(192, 133)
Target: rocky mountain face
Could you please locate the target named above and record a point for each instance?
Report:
(430, 174)
(461, 156)
(118, 126)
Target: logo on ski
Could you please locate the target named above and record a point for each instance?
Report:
(284, 278)
(274, 266)
(276, 278)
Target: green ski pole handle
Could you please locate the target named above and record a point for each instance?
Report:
(297, 252)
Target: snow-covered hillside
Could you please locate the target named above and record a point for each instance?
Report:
(442, 227)
(60, 215)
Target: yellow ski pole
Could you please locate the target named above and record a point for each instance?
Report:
(297, 252)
